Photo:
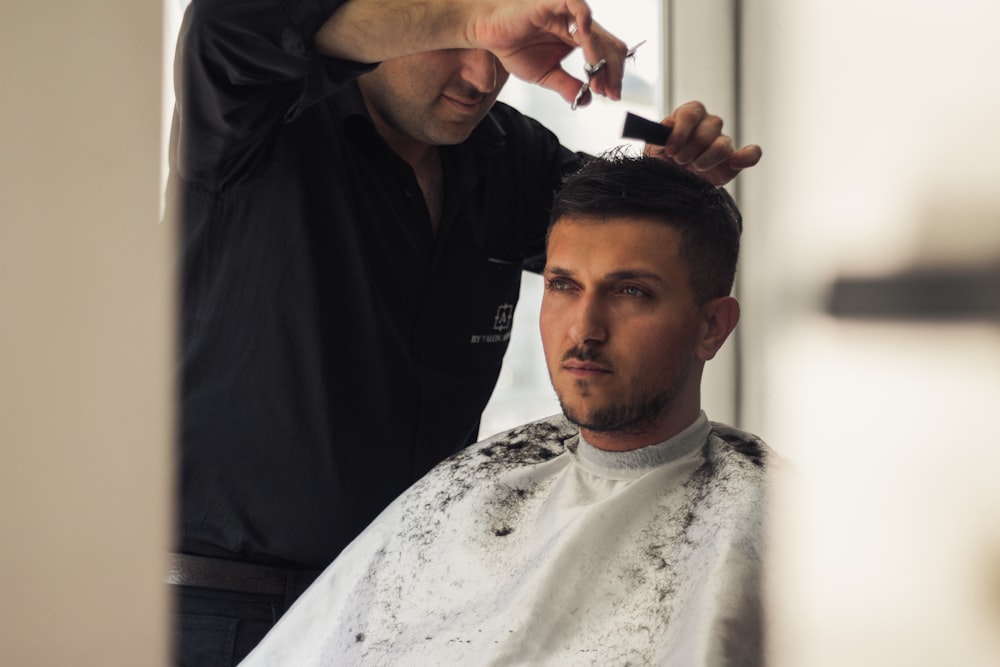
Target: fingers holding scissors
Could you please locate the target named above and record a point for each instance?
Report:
(610, 84)
(590, 71)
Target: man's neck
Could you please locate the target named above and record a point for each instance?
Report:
(424, 159)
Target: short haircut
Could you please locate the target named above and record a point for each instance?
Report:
(618, 185)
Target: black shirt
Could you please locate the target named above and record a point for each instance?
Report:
(333, 347)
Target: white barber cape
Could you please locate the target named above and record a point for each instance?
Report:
(535, 548)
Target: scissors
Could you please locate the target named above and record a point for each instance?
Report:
(592, 70)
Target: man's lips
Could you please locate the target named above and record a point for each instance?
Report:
(585, 368)
(469, 105)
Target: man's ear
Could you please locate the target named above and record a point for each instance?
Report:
(719, 318)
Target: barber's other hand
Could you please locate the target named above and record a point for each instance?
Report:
(532, 37)
(697, 143)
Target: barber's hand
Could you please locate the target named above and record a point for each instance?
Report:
(531, 38)
(697, 143)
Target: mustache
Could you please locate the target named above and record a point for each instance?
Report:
(585, 354)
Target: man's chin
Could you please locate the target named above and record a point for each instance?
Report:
(590, 419)
(621, 419)
(451, 134)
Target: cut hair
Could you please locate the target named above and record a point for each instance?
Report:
(618, 185)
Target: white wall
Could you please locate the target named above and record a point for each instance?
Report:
(85, 336)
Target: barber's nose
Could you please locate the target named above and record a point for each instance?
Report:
(479, 68)
(588, 324)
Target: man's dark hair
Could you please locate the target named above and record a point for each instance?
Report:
(617, 185)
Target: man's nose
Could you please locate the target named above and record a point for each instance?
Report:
(588, 325)
(479, 69)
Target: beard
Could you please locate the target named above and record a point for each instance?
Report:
(633, 417)
(638, 413)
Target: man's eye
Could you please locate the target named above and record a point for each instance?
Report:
(632, 290)
(556, 284)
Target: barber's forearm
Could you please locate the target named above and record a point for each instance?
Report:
(530, 38)
(376, 30)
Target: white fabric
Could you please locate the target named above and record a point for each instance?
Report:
(535, 548)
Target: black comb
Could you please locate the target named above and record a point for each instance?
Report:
(637, 127)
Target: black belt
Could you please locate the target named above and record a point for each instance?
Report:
(236, 576)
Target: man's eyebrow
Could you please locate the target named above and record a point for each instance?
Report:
(623, 274)
(634, 274)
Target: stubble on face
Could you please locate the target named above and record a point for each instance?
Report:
(637, 416)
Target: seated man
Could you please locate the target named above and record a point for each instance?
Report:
(627, 530)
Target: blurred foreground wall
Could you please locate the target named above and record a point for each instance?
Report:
(85, 336)
(872, 337)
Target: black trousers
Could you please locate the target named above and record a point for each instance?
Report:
(215, 628)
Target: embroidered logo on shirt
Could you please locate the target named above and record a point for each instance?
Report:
(502, 322)
(504, 318)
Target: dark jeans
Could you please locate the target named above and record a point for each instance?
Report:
(214, 628)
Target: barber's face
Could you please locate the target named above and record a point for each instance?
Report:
(620, 327)
(436, 97)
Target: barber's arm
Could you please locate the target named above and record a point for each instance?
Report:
(697, 143)
(242, 69)
(530, 38)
